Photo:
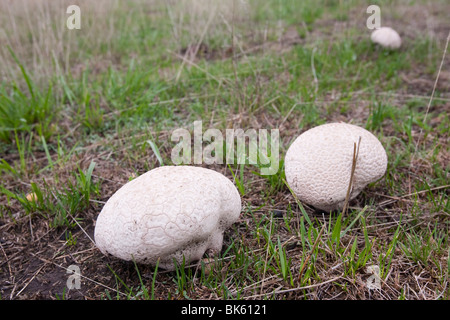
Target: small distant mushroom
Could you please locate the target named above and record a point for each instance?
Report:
(169, 213)
(32, 197)
(318, 164)
(386, 37)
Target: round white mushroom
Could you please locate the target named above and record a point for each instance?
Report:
(318, 164)
(386, 37)
(168, 213)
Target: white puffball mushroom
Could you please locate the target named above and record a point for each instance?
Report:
(318, 164)
(168, 213)
(386, 37)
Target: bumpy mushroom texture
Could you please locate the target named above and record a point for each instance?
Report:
(168, 213)
(386, 37)
(318, 164)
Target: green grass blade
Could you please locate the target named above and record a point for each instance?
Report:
(282, 257)
(238, 181)
(143, 287)
(156, 152)
(47, 153)
(302, 209)
(353, 222)
(120, 280)
(24, 73)
(448, 263)
(154, 280)
(336, 234)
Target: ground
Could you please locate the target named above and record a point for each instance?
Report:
(84, 111)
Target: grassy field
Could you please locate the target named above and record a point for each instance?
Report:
(84, 111)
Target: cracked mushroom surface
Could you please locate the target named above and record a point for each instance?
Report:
(168, 213)
(318, 164)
